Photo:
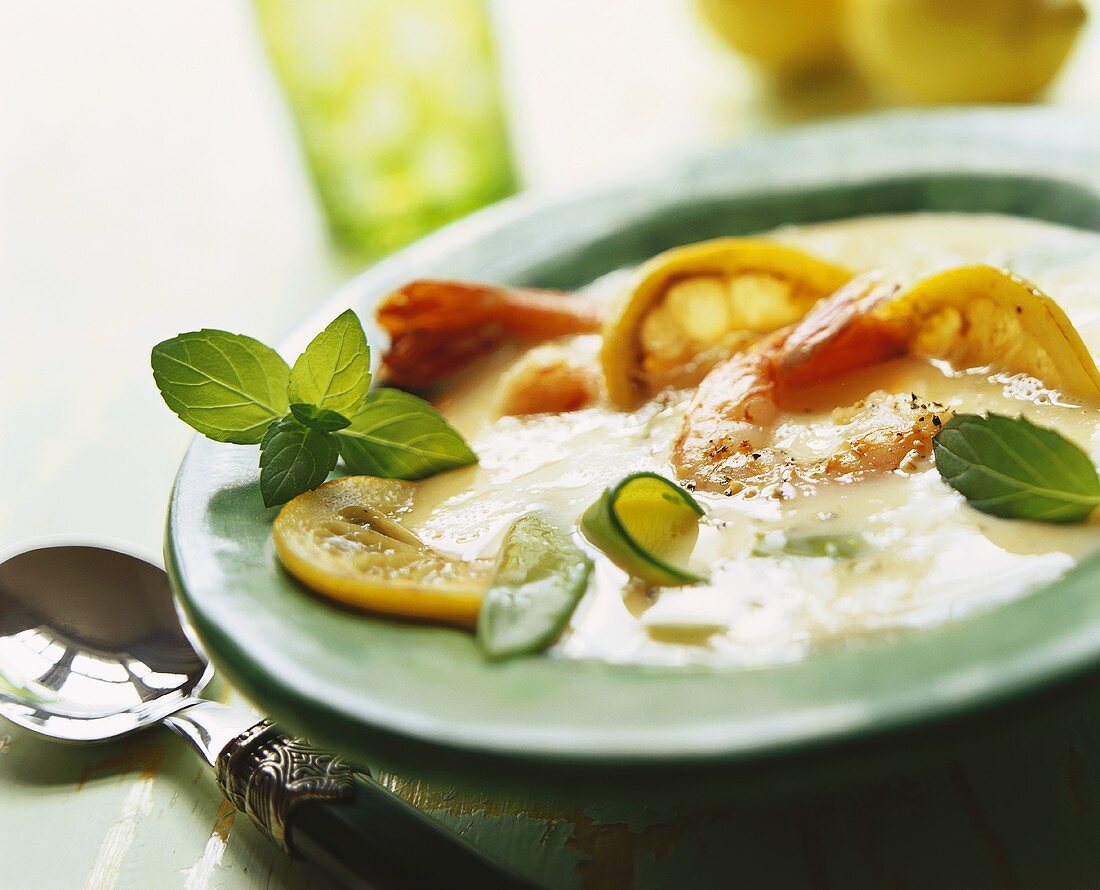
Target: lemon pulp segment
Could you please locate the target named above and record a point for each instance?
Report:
(693, 306)
(979, 316)
(343, 541)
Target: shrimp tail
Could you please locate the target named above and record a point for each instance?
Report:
(843, 334)
(439, 327)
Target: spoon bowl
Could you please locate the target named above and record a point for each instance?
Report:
(91, 648)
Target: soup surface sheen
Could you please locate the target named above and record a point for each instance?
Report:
(926, 556)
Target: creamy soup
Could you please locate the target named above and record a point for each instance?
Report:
(924, 557)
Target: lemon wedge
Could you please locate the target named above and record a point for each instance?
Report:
(693, 306)
(979, 316)
(936, 51)
(342, 540)
(789, 36)
(641, 524)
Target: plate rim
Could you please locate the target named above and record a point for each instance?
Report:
(1074, 157)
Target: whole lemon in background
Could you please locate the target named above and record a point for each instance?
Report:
(930, 51)
(788, 36)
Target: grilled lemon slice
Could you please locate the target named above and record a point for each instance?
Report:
(342, 541)
(693, 306)
(978, 316)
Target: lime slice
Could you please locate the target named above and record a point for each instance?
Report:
(539, 579)
(641, 523)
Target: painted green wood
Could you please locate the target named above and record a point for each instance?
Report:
(375, 839)
(1007, 799)
(138, 813)
(1014, 801)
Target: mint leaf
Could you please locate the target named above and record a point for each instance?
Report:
(539, 579)
(293, 459)
(398, 436)
(334, 371)
(227, 386)
(321, 419)
(1011, 468)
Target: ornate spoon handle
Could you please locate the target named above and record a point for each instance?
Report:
(268, 775)
(314, 805)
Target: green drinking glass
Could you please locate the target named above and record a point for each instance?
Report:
(398, 106)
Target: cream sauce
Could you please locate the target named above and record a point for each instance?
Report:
(928, 557)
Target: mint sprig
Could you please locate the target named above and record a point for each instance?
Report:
(324, 420)
(229, 387)
(232, 388)
(399, 436)
(294, 458)
(1011, 468)
(333, 374)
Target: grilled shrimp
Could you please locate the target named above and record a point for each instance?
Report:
(550, 379)
(439, 327)
(725, 441)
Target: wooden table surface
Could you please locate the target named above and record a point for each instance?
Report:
(150, 183)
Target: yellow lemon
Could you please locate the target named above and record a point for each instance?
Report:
(932, 51)
(979, 316)
(691, 307)
(786, 35)
(344, 542)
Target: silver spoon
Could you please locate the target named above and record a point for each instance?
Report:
(91, 649)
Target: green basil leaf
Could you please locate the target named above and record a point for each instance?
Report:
(1011, 468)
(227, 386)
(334, 371)
(398, 436)
(539, 579)
(293, 459)
(321, 419)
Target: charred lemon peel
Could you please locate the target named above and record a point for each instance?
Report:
(691, 307)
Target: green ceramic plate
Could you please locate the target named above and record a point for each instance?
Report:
(367, 684)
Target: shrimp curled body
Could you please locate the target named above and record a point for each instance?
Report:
(725, 442)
